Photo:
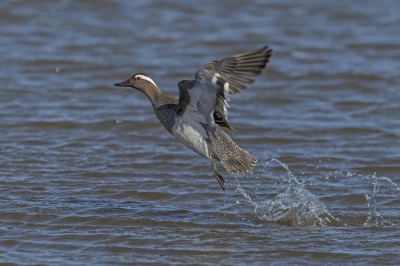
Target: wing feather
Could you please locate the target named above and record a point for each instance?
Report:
(232, 75)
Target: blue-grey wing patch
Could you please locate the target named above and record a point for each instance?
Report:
(207, 102)
(197, 102)
(188, 125)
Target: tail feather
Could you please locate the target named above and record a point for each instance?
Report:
(234, 159)
(241, 162)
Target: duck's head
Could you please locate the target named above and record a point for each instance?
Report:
(143, 83)
(138, 81)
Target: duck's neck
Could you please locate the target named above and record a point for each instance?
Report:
(154, 94)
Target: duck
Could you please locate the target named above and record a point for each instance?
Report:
(199, 117)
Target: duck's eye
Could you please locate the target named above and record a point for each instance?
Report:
(137, 78)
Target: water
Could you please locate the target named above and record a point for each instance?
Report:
(90, 177)
(295, 206)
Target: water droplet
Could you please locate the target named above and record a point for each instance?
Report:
(58, 69)
(327, 176)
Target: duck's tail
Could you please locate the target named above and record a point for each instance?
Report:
(241, 162)
(234, 159)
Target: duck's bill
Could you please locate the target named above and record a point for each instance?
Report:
(126, 83)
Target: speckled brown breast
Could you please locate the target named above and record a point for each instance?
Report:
(164, 109)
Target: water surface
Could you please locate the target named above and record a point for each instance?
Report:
(89, 176)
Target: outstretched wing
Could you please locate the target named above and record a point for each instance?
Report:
(237, 70)
(232, 75)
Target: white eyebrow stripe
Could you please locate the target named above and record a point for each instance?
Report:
(146, 78)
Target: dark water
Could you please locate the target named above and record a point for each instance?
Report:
(90, 177)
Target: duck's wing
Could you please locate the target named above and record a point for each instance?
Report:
(197, 103)
(232, 75)
(239, 70)
(194, 115)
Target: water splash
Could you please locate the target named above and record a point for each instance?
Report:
(374, 218)
(296, 206)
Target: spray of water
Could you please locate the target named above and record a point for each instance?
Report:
(374, 218)
(296, 206)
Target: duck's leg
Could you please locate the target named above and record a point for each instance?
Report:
(220, 179)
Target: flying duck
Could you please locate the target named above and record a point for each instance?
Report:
(200, 114)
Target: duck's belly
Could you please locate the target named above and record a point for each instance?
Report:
(193, 136)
